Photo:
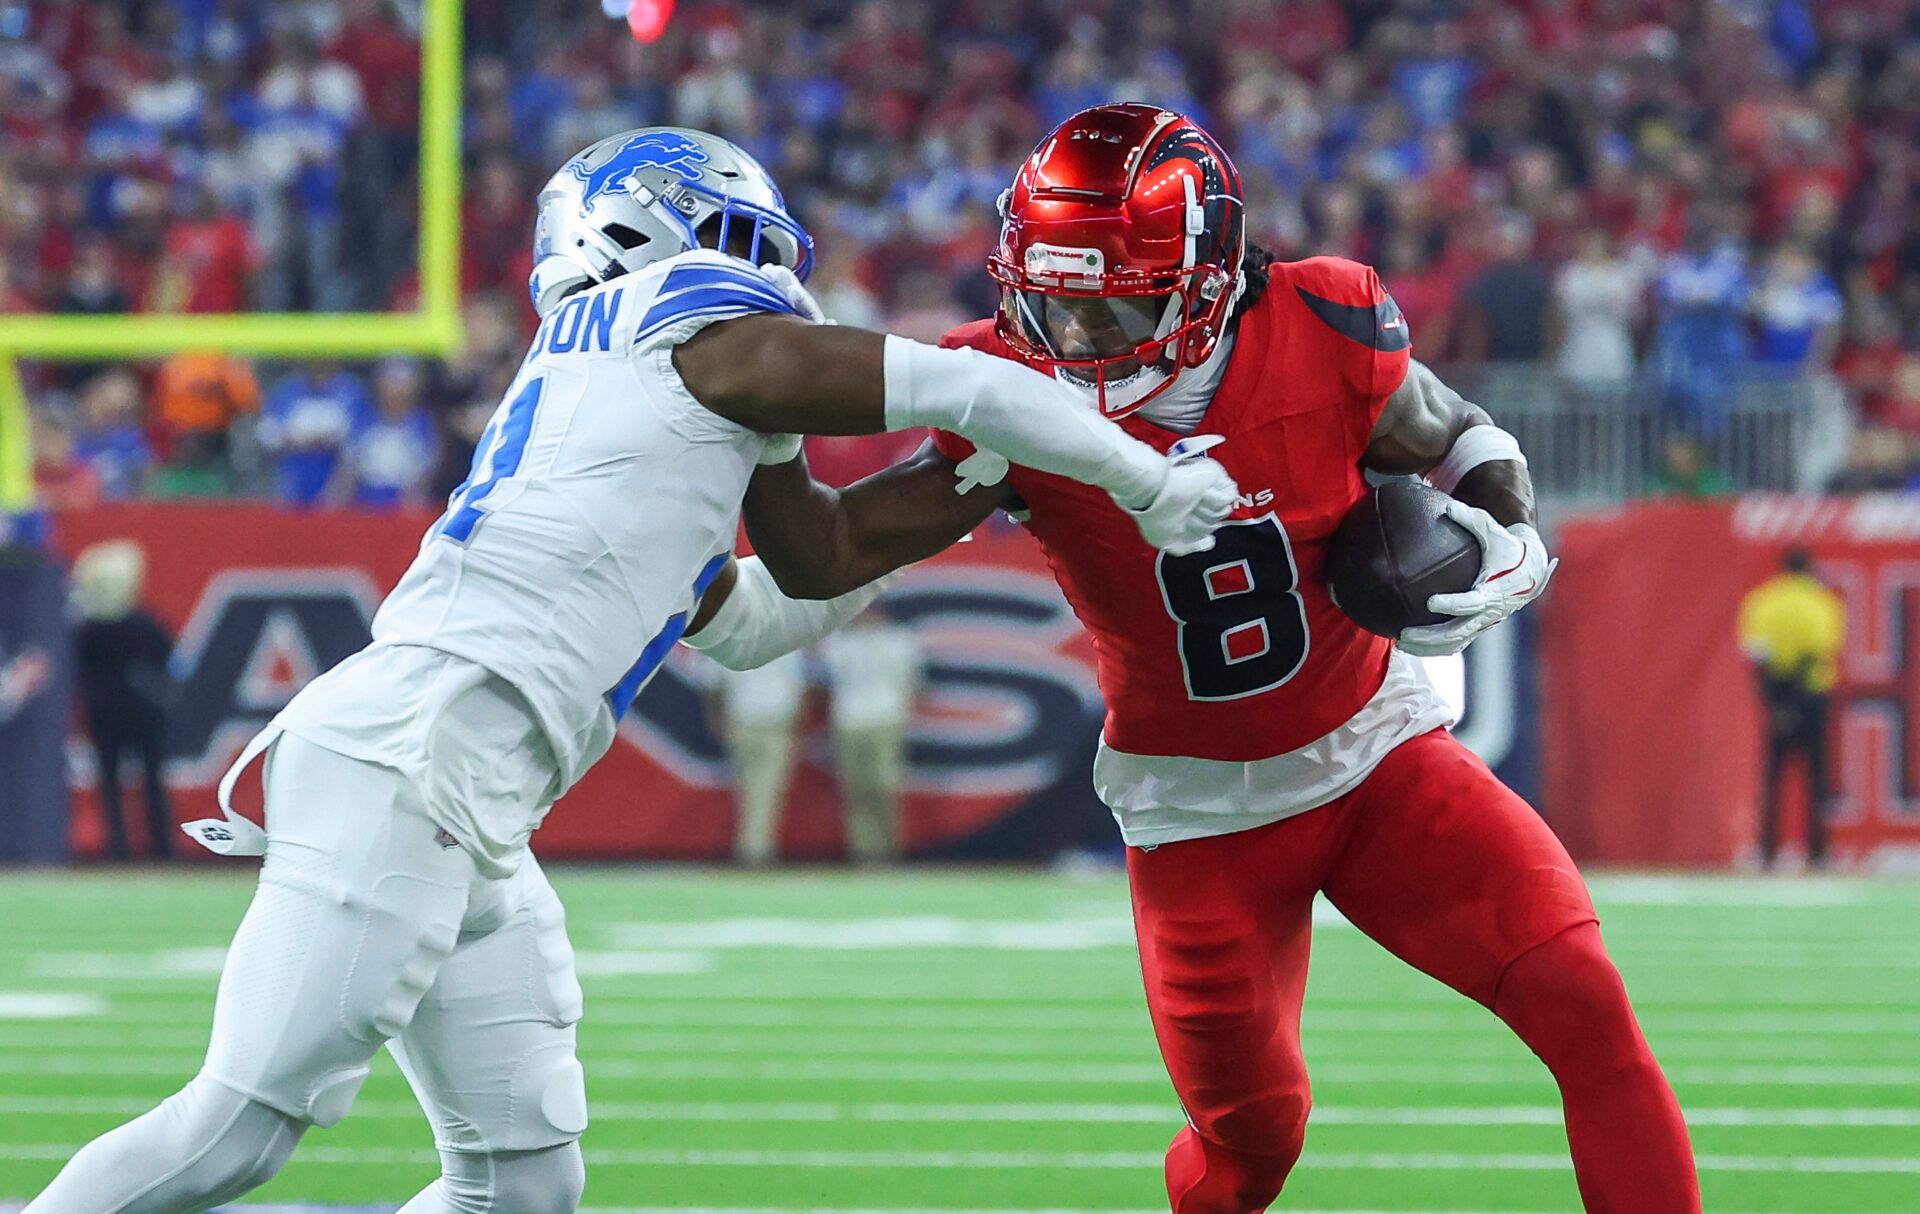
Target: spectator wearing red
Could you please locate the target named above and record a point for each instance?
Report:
(1426, 290)
(1869, 357)
(385, 59)
(61, 479)
(207, 264)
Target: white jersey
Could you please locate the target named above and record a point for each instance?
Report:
(602, 501)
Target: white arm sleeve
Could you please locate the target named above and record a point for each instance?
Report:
(758, 623)
(1021, 414)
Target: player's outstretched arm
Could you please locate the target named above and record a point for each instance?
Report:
(744, 620)
(1428, 429)
(823, 554)
(820, 542)
(780, 374)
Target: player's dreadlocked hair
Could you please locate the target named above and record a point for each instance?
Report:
(1253, 267)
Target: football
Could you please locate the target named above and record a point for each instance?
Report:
(1393, 551)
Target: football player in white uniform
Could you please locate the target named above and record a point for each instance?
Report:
(398, 904)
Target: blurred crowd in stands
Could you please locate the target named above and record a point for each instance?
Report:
(1656, 200)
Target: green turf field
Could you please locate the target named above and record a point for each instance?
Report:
(977, 1041)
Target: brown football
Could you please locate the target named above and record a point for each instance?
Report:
(1395, 549)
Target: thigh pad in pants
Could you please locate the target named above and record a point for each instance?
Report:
(358, 907)
(490, 1053)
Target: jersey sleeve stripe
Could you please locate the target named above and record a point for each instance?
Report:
(621, 696)
(707, 291)
(727, 311)
(695, 298)
(690, 289)
(1378, 325)
(671, 290)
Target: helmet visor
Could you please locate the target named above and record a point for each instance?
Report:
(1085, 328)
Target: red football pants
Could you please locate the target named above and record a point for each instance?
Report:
(1454, 874)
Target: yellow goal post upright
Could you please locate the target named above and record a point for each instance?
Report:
(432, 329)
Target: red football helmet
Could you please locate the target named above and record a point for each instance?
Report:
(1119, 253)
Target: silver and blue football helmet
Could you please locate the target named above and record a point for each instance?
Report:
(646, 195)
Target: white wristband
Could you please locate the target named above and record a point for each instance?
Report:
(1476, 445)
(757, 623)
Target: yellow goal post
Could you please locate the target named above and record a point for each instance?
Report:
(432, 329)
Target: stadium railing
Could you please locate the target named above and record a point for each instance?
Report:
(1592, 445)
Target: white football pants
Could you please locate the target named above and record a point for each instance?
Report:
(369, 927)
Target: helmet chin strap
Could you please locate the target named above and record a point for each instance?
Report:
(1121, 394)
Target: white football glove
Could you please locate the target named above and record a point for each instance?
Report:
(796, 292)
(1514, 569)
(983, 467)
(1193, 501)
(1193, 484)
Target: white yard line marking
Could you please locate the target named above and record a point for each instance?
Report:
(829, 987)
(1739, 892)
(886, 1210)
(131, 966)
(1046, 1114)
(1039, 1071)
(889, 1210)
(626, 963)
(49, 1005)
(185, 965)
(41, 1039)
(250, 1208)
(1466, 1019)
(672, 1029)
(310, 1209)
(878, 933)
(1074, 1160)
(851, 987)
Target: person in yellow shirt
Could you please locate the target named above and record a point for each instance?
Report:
(1793, 627)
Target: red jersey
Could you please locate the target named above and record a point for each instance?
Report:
(1238, 653)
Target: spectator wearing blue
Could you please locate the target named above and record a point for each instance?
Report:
(122, 149)
(1074, 79)
(803, 88)
(390, 460)
(1160, 78)
(1433, 81)
(109, 439)
(596, 109)
(299, 122)
(542, 95)
(307, 422)
(1700, 339)
(1796, 311)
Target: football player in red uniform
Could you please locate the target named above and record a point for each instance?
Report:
(1259, 746)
